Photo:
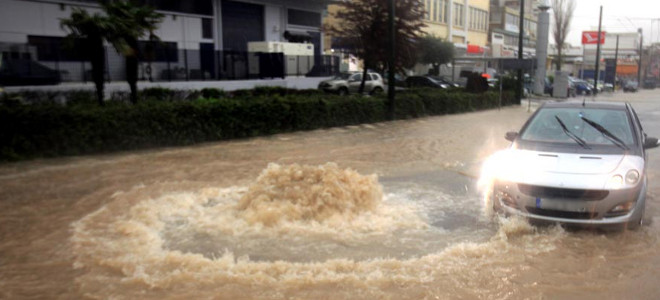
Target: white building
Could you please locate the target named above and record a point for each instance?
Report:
(208, 38)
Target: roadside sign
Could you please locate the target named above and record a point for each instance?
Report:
(591, 37)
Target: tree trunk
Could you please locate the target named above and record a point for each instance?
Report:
(559, 57)
(364, 78)
(97, 60)
(436, 70)
(132, 70)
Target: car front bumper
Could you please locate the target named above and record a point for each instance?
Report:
(570, 206)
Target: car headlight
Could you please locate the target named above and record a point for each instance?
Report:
(632, 177)
(616, 182)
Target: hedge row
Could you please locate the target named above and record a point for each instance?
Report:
(49, 129)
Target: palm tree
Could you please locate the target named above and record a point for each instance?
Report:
(132, 22)
(93, 30)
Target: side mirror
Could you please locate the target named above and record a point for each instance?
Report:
(511, 135)
(650, 142)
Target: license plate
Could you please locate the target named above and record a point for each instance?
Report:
(538, 202)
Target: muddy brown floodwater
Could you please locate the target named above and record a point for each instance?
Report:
(381, 211)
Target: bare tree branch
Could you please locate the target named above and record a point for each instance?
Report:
(562, 16)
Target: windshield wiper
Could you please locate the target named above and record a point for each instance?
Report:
(572, 135)
(615, 140)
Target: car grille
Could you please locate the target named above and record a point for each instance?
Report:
(538, 191)
(560, 213)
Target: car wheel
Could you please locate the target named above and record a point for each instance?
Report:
(342, 91)
(377, 91)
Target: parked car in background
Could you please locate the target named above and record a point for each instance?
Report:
(445, 80)
(630, 86)
(346, 83)
(547, 88)
(425, 81)
(574, 163)
(582, 87)
(649, 83)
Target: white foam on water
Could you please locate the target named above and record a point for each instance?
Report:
(336, 218)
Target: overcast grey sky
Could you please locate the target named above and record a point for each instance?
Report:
(618, 16)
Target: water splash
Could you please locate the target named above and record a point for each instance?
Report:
(309, 193)
(216, 240)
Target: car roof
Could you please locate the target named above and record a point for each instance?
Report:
(578, 104)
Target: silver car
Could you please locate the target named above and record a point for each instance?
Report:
(346, 83)
(573, 163)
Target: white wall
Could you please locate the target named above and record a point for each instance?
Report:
(273, 16)
(18, 19)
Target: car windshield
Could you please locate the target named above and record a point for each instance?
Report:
(546, 128)
(343, 76)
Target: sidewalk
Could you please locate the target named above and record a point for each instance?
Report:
(293, 82)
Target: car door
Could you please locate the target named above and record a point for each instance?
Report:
(369, 83)
(354, 82)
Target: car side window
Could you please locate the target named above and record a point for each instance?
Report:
(375, 76)
(356, 77)
(368, 78)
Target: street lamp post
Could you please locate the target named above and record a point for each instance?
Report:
(391, 61)
(639, 66)
(521, 30)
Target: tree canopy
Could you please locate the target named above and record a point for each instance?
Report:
(435, 51)
(364, 24)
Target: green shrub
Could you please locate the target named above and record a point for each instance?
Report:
(51, 129)
(212, 93)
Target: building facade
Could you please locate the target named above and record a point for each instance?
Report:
(205, 38)
(505, 27)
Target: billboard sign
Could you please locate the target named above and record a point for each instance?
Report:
(591, 37)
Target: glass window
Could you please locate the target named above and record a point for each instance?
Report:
(304, 18)
(546, 128)
(200, 7)
(207, 28)
(356, 77)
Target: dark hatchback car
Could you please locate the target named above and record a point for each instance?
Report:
(574, 163)
(426, 81)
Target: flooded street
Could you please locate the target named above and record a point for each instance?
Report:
(378, 211)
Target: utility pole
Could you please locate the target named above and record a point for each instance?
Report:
(639, 66)
(519, 88)
(391, 61)
(616, 60)
(541, 48)
(597, 68)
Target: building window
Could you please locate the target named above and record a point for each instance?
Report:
(435, 11)
(459, 18)
(207, 28)
(200, 7)
(304, 18)
(439, 5)
(50, 48)
(478, 19)
(158, 51)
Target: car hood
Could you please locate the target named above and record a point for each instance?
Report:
(559, 169)
(565, 163)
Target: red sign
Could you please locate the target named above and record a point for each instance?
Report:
(591, 37)
(474, 49)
